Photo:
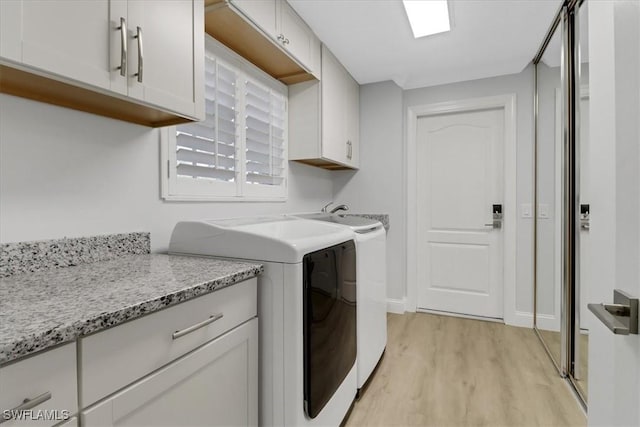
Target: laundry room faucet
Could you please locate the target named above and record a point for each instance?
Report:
(324, 208)
(340, 208)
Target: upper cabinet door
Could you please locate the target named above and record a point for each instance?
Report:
(10, 30)
(334, 140)
(55, 40)
(261, 12)
(166, 53)
(296, 36)
(353, 121)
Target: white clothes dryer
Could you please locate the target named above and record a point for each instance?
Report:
(306, 310)
(371, 274)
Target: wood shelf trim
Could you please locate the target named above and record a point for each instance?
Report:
(234, 31)
(17, 82)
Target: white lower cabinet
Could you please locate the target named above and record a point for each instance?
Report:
(40, 390)
(215, 385)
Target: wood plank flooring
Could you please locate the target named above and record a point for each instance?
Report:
(552, 339)
(448, 371)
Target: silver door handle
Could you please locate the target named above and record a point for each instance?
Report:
(123, 47)
(140, 54)
(211, 319)
(621, 317)
(26, 405)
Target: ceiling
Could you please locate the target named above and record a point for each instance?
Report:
(373, 40)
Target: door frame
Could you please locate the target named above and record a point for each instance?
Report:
(507, 103)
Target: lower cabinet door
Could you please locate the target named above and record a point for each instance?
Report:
(215, 385)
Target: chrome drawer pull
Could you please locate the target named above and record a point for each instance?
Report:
(26, 405)
(213, 318)
(123, 47)
(140, 55)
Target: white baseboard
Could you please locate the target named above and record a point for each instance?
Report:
(546, 322)
(396, 305)
(461, 315)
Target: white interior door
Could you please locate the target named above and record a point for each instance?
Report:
(459, 179)
(614, 85)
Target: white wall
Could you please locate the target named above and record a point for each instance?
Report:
(65, 173)
(522, 85)
(378, 187)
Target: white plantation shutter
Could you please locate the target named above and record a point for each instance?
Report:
(265, 137)
(206, 159)
(240, 150)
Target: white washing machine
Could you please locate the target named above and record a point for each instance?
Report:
(371, 274)
(306, 310)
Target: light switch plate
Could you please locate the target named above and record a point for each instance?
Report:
(543, 211)
(525, 208)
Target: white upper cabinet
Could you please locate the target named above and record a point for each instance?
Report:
(298, 39)
(261, 12)
(324, 118)
(164, 46)
(59, 37)
(282, 24)
(136, 60)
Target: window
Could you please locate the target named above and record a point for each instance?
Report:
(239, 152)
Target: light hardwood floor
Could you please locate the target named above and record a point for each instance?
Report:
(447, 371)
(552, 339)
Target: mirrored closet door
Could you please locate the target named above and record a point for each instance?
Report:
(562, 208)
(549, 196)
(580, 338)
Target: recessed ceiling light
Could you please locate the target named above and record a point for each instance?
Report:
(427, 16)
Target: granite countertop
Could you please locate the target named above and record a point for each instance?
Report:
(383, 218)
(45, 308)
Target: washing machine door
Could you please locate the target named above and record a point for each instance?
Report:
(329, 322)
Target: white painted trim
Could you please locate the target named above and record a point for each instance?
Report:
(546, 322)
(396, 305)
(508, 104)
(460, 315)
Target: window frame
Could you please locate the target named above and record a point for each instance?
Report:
(174, 188)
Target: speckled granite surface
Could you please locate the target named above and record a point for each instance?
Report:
(42, 309)
(383, 218)
(25, 257)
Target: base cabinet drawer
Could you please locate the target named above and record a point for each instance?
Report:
(48, 380)
(112, 359)
(216, 385)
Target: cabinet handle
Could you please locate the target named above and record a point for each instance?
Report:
(286, 41)
(349, 150)
(123, 47)
(211, 319)
(25, 406)
(140, 54)
(281, 38)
